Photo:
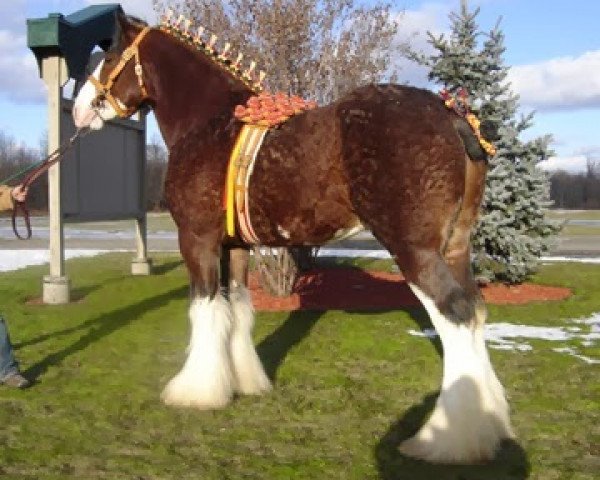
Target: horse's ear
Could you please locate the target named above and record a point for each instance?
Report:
(120, 24)
(123, 31)
(122, 21)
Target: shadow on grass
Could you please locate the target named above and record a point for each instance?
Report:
(166, 267)
(79, 294)
(274, 348)
(354, 290)
(100, 327)
(510, 462)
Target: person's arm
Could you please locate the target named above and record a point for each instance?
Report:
(6, 200)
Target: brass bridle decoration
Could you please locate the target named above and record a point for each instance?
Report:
(104, 90)
(173, 27)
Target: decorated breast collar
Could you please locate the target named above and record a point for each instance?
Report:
(260, 114)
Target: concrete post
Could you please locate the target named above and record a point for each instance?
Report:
(56, 286)
(141, 264)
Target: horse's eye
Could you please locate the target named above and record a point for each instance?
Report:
(110, 59)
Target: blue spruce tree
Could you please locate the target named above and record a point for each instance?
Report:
(513, 231)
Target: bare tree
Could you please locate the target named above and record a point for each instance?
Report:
(577, 190)
(318, 49)
(156, 170)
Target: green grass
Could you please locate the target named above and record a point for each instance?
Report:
(574, 214)
(579, 230)
(349, 386)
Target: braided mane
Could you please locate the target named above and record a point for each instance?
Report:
(181, 30)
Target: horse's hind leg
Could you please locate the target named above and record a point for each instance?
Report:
(457, 255)
(206, 380)
(250, 377)
(469, 420)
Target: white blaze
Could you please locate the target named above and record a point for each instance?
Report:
(84, 115)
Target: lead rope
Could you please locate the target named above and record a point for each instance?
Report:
(41, 168)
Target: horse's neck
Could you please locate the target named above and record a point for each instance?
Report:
(189, 90)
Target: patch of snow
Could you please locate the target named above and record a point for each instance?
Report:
(521, 347)
(16, 259)
(573, 353)
(92, 234)
(502, 336)
(571, 259)
(499, 332)
(427, 332)
(594, 321)
(384, 254)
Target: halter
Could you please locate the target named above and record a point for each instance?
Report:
(103, 90)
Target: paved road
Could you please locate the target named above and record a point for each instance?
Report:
(161, 237)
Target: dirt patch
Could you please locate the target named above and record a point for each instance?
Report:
(355, 289)
(38, 301)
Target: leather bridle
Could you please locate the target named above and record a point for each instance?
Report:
(103, 90)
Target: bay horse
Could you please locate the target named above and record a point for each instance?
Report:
(392, 158)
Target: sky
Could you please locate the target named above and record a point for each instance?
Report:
(552, 49)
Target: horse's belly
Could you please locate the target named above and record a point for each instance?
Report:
(327, 222)
(298, 192)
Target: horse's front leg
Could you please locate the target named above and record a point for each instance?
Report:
(250, 377)
(206, 380)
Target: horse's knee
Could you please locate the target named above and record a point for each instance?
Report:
(436, 279)
(458, 305)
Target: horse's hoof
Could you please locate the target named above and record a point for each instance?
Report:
(183, 395)
(259, 386)
(431, 452)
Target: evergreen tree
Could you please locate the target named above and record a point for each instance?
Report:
(513, 231)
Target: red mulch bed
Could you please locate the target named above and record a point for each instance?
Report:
(355, 289)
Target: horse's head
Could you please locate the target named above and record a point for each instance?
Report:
(116, 87)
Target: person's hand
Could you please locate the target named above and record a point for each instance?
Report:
(19, 193)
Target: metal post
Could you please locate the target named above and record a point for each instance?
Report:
(56, 287)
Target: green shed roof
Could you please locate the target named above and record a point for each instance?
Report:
(74, 36)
